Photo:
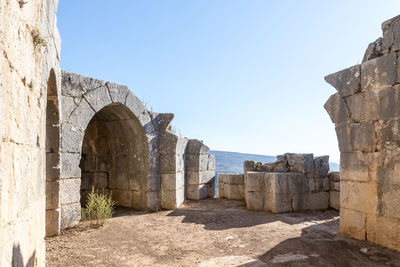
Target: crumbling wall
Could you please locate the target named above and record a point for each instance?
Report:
(200, 171)
(29, 52)
(366, 112)
(295, 182)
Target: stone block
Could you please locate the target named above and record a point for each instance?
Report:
(233, 191)
(76, 85)
(70, 191)
(99, 180)
(277, 202)
(196, 147)
(68, 104)
(168, 163)
(379, 72)
(297, 183)
(237, 179)
(346, 82)
(337, 109)
(391, 35)
(98, 98)
(117, 92)
(362, 197)
(356, 166)
(390, 201)
(81, 115)
(334, 200)
(211, 163)
(52, 166)
(386, 232)
(334, 176)
(374, 50)
(168, 181)
(123, 198)
(316, 201)
(203, 177)
(192, 162)
(249, 165)
(356, 137)
(52, 195)
(334, 186)
(352, 223)
(71, 138)
(363, 106)
(303, 163)
(198, 192)
(255, 200)
(52, 222)
(388, 104)
(70, 215)
(70, 165)
(321, 165)
(254, 181)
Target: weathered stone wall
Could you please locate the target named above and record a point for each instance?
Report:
(231, 186)
(366, 113)
(200, 171)
(334, 193)
(29, 52)
(295, 182)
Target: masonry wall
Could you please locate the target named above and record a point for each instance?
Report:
(29, 50)
(366, 114)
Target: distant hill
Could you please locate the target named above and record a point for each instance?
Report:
(232, 162)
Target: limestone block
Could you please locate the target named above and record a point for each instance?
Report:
(237, 179)
(356, 166)
(52, 222)
(124, 198)
(379, 72)
(70, 215)
(192, 162)
(374, 50)
(198, 192)
(168, 181)
(163, 120)
(334, 186)
(255, 200)
(81, 115)
(180, 196)
(388, 134)
(385, 231)
(334, 176)
(315, 201)
(153, 200)
(168, 143)
(346, 82)
(254, 182)
(321, 165)
(249, 165)
(334, 200)
(52, 195)
(391, 35)
(303, 163)
(196, 147)
(364, 106)
(203, 177)
(211, 163)
(52, 166)
(221, 190)
(98, 98)
(352, 223)
(362, 197)
(71, 138)
(356, 137)
(117, 92)
(337, 109)
(389, 101)
(169, 163)
(278, 202)
(70, 191)
(233, 191)
(68, 104)
(390, 201)
(99, 180)
(76, 85)
(297, 183)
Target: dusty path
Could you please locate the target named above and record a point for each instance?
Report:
(215, 233)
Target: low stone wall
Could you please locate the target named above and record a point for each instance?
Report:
(334, 193)
(231, 186)
(295, 182)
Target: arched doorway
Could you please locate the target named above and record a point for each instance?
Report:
(115, 157)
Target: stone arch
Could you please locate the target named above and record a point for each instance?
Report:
(52, 156)
(87, 102)
(115, 157)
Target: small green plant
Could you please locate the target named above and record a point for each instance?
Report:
(37, 39)
(99, 207)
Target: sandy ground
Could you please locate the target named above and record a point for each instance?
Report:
(214, 233)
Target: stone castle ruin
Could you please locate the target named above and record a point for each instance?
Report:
(295, 182)
(63, 133)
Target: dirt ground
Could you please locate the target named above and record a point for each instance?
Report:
(215, 233)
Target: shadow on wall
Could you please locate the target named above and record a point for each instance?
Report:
(320, 245)
(18, 259)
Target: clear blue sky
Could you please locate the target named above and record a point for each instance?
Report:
(242, 75)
